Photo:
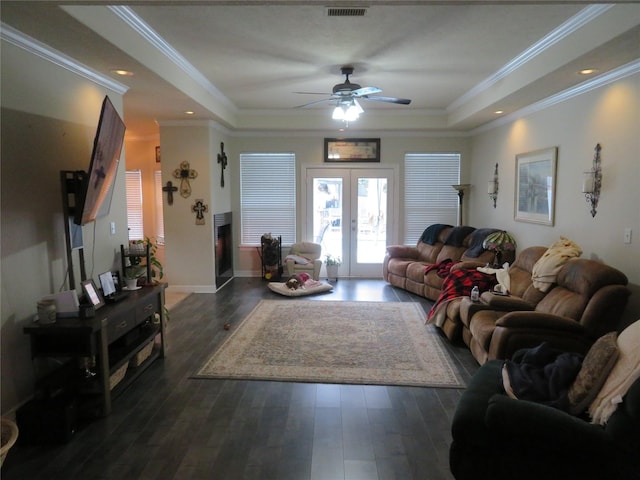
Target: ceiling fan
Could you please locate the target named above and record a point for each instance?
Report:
(347, 93)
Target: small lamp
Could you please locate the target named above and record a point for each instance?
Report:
(492, 187)
(592, 182)
(499, 242)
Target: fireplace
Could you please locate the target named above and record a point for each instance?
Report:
(222, 227)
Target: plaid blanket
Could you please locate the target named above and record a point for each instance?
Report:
(443, 268)
(459, 283)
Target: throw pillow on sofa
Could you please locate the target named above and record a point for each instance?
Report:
(596, 366)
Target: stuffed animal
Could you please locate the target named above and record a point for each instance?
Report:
(297, 280)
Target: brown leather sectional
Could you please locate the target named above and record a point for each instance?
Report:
(404, 266)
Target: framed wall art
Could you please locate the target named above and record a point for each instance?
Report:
(535, 193)
(352, 150)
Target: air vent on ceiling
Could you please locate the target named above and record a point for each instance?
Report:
(346, 11)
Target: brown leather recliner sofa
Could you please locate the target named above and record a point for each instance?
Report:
(523, 296)
(405, 266)
(586, 302)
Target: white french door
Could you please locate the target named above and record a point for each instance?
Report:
(348, 213)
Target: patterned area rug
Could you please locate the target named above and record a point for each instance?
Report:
(375, 343)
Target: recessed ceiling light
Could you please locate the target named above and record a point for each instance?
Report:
(587, 71)
(124, 73)
(189, 112)
(499, 112)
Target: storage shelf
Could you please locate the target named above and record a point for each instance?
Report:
(120, 355)
(112, 338)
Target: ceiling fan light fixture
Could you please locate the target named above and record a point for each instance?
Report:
(348, 111)
(352, 113)
(338, 113)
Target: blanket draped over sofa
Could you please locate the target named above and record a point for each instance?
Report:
(441, 250)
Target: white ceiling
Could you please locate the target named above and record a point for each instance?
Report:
(239, 63)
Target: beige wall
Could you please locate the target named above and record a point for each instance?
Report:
(47, 126)
(190, 248)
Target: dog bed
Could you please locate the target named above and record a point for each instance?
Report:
(310, 287)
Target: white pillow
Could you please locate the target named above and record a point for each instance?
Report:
(624, 373)
(298, 259)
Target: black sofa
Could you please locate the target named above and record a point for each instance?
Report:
(496, 437)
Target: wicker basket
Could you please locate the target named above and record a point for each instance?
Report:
(142, 355)
(9, 437)
(117, 376)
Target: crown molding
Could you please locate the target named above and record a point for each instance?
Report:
(127, 15)
(583, 17)
(35, 47)
(614, 75)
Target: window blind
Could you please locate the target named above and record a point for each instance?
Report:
(428, 195)
(159, 208)
(267, 196)
(134, 204)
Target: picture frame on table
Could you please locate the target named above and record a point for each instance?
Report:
(535, 186)
(92, 293)
(352, 150)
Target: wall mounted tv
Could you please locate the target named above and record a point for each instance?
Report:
(96, 190)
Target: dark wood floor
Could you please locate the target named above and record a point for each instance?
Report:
(169, 426)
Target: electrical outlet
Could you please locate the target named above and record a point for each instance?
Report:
(113, 228)
(627, 235)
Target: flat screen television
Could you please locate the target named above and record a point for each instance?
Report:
(97, 183)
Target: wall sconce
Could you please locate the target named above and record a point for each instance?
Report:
(592, 181)
(492, 187)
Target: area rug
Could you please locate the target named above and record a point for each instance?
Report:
(373, 343)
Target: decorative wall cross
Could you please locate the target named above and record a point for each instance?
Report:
(170, 189)
(199, 208)
(222, 160)
(185, 173)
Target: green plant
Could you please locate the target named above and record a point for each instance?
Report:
(135, 271)
(157, 270)
(331, 260)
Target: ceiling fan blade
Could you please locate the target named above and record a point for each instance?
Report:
(315, 103)
(314, 93)
(361, 92)
(401, 101)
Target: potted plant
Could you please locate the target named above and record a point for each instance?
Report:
(332, 263)
(157, 270)
(132, 274)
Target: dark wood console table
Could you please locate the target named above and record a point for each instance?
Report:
(109, 343)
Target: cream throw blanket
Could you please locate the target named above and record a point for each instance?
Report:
(502, 276)
(545, 270)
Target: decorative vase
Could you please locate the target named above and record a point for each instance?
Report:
(332, 271)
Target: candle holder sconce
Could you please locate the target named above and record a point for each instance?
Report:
(592, 182)
(492, 188)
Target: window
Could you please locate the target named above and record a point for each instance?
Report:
(134, 204)
(428, 195)
(159, 217)
(267, 196)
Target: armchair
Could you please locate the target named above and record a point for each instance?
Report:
(310, 252)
